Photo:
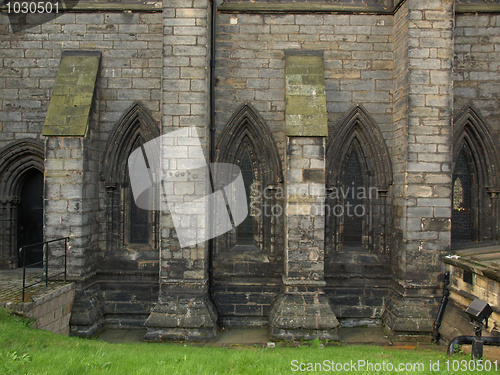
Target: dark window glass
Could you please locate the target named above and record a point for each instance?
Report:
(461, 200)
(139, 218)
(353, 181)
(244, 231)
(139, 223)
(467, 277)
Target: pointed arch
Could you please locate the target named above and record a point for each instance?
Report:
(473, 142)
(254, 250)
(16, 159)
(359, 130)
(18, 162)
(357, 135)
(124, 219)
(247, 135)
(470, 129)
(357, 210)
(246, 127)
(136, 125)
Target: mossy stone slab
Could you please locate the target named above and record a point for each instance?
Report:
(71, 100)
(305, 111)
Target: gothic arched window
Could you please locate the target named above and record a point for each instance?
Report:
(248, 261)
(358, 229)
(137, 220)
(247, 143)
(127, 224)
(475, 184)
(358, 176)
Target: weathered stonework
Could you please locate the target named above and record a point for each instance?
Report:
(302, 311)
(424, 115)
(184, 310)
(305, 113)
(73, 94)
(51, 311)
(405, 87)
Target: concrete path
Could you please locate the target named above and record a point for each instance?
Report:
(254, 336)
(260, 336)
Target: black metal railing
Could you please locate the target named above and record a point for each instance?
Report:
(44, 262)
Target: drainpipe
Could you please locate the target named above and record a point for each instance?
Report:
(444, 302)
(211, 155)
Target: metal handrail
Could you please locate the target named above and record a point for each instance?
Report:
(45, 262)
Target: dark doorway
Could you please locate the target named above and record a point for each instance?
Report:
(30, 219)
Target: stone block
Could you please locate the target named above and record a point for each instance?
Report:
(419, 212)
(433, 202)
(313, 151)
(436, 224)
(313, 175)
(294, 175)
(309, 19)
(424, 167)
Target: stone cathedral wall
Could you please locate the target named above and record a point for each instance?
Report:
(131, 46)
(477, 68)
(130, 43)
(358, 67)
(395, 67)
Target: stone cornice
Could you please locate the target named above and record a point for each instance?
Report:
(91, 6)
(384, 7)
(477, 8)
(303, 7)
(268, 7)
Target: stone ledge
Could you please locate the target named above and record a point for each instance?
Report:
(90, 6)
(477, 8)
(483, 261)
(303, 283)
(311, 7)
(305, 7)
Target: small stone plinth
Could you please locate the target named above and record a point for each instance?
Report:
(182, 318)
(302, 312)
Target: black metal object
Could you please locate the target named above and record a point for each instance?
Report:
(477, 348)
(45, 262)
(212, 156)
(479, 311)
(442, 307)
(467, 340)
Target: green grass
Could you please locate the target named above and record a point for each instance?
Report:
(24, 350)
